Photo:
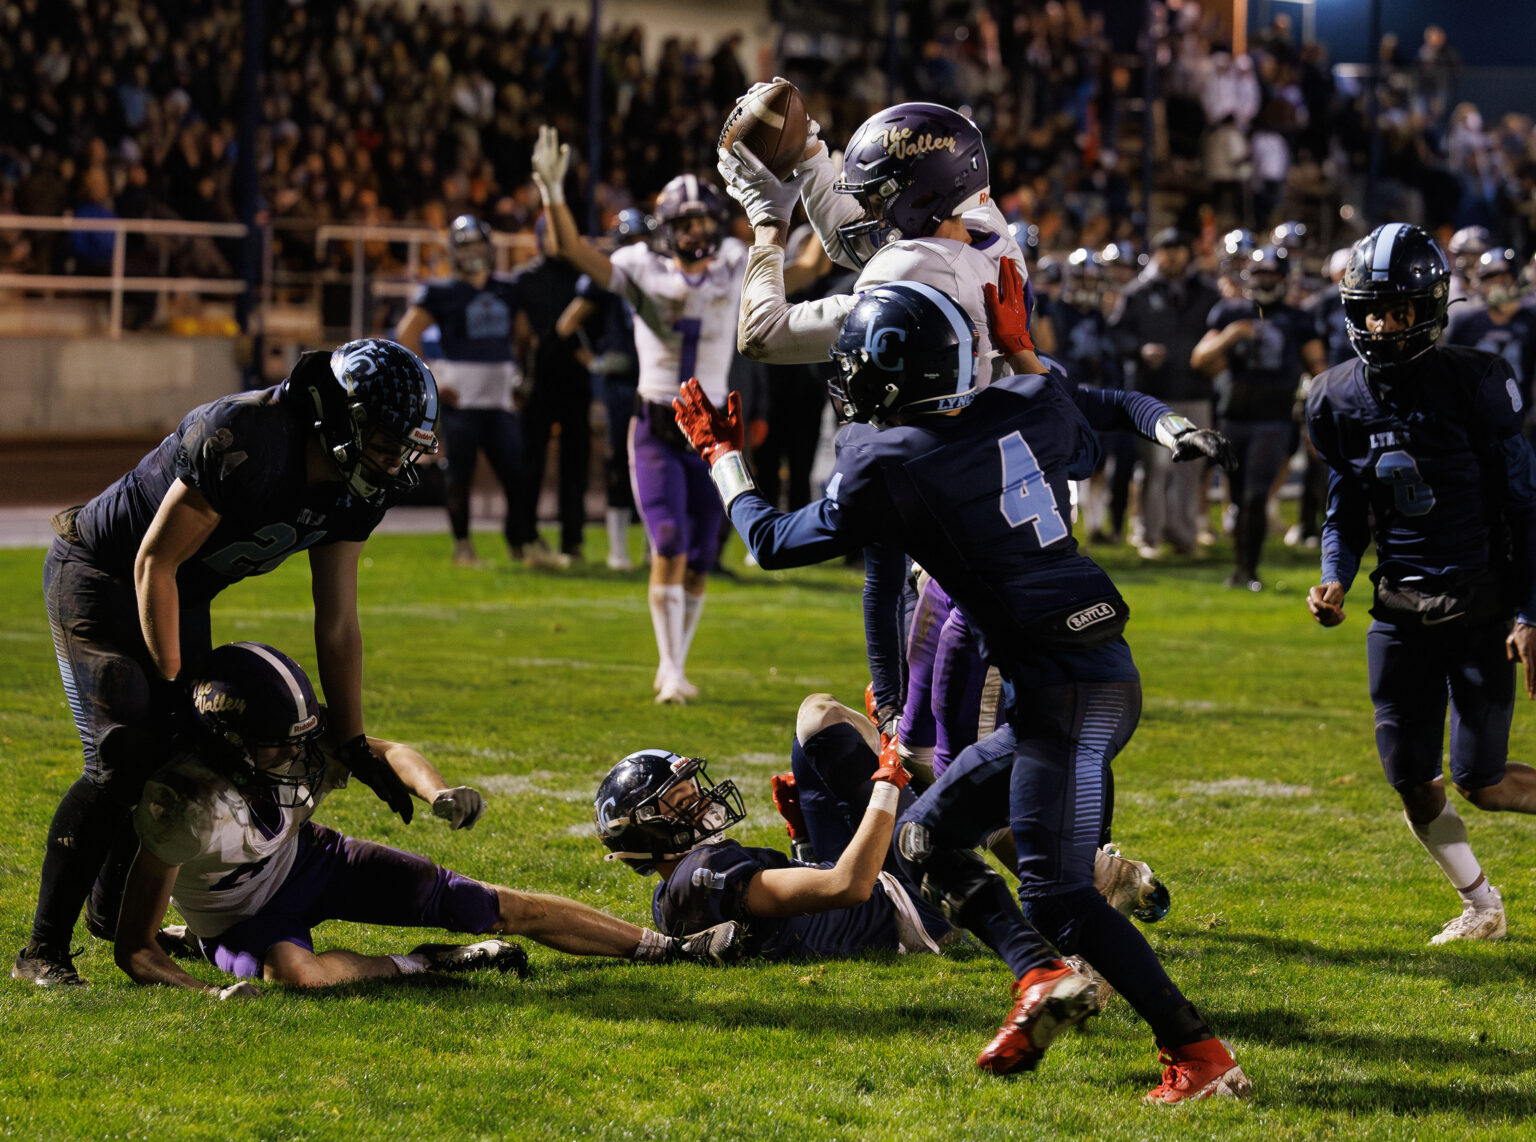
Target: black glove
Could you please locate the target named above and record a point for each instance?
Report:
(723, 944)
(374, 772)
(172, 713)
(1198, 442)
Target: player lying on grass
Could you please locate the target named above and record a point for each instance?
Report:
(226, 836)
(973, 486)
(843, 893)
(659, 812)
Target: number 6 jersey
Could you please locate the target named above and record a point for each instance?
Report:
(685, 323)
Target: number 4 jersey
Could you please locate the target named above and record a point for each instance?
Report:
(247, 455)
(685, 323)
(1431, 455)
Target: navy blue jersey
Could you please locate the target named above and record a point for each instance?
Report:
(475, 324)
(981, 501)
(1327, 312)
(246, 454)
(1431, 463)
(1515, 340)
(709, 886)
(1264, 370)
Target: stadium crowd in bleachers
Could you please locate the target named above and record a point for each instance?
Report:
(389, 112)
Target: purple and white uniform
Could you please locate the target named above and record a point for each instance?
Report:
(253, 873)
(685, 327)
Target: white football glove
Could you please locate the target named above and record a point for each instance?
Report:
(766, 200)
(814, 147)
(460, 806)
(551, 157)
(245, 989)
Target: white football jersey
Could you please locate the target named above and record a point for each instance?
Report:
(775, 331)
(230, 861)
(686, 323)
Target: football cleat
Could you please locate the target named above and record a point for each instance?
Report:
(722, 944)
(1476, 923)
(1103, 990)
(47, 967)
(1199, 1070)
(1048, 1001)
(1129, 886)
(502, 955)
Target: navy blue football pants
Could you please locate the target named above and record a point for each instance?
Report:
(497, 432)
(1046, 774)
(124, 735)
(832, 778)
(1415, 674)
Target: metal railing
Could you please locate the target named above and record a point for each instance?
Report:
(363, 281)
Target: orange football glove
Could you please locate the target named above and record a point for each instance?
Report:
(711, 432)
(1007, 315)
(891, 769)
(786, 799)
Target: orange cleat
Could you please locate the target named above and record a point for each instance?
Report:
(1049, 1000)
(1199, 1070)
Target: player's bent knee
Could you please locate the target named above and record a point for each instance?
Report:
(290, 964)
(816, 713)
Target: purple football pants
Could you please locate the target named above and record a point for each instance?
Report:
(335, 877)
(677, 500)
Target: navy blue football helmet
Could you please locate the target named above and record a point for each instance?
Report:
(911, 167)
(656, 805)
(469, 245)
(1265, 274)
(246, 695)
(375, 408)
(632, 225)
(1393, 263)
(684, 198)
(905, 347)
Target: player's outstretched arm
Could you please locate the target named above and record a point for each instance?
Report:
(135, 949)
(848, 883)
(459, 805)
(551, 157)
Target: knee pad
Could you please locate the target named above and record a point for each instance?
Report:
(947, 878)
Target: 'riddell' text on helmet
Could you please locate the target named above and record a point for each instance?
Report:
(912, 166)
(904, 348)
(1393, 264)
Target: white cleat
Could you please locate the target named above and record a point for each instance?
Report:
(1476, 924)
(671, 693)
(1129, 886)
(1103, 990)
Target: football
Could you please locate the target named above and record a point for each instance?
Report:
(773, 125)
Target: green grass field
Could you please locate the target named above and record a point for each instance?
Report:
(1301, 904)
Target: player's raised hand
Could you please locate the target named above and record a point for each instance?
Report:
(1008, 311)
(460, 806)
(767, 201)
(711, 432)
(1326, 602)
(891, 770)
(1521, 648)
(551, 157)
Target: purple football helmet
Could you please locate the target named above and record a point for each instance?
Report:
(685, 198)
(912, 166)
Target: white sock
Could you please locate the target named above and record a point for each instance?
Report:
(617, 520)
(693, 606)
(652, 946)
(410, 965)
(667, 621)
(1445, 839)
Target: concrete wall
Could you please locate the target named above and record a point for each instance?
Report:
(94, 386)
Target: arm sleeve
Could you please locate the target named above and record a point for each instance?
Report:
(777, 540)
(828, 210)
(1111, 409)
(770, 329)
(885, 574)
(1345, 531)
